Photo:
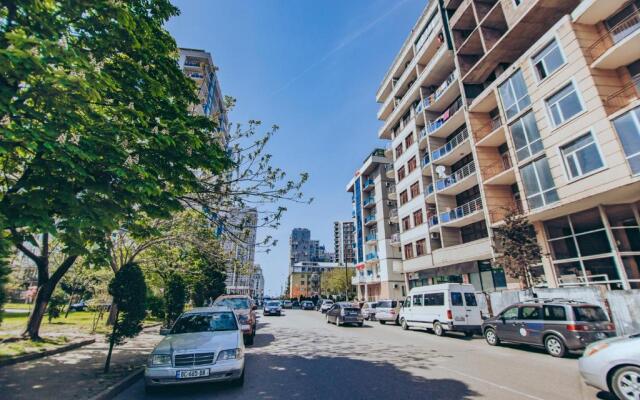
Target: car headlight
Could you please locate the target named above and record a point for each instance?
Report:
(159, 360)
(594, 348)
(231, 354)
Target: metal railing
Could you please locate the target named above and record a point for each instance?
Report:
(423, 133)
(369, 218)
(433, 220)
(371, 236)
(371, 256)
(457, 176)
(497, 167)
(367, 183)
(487, 128)
(429, 189)
(435, 96)
(450, 145)
(434, 125)
(368, 201)
(425, 160)
(615, 34)
(461, 211)
(624, 96)
(391, 189)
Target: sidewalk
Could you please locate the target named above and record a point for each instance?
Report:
(76, 374)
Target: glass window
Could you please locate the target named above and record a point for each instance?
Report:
(456, 299)
(581, 156)
(514, 95)
(589, 314)
(563, 248)
(407, 302)
(538, 183)
(421, 247)
(548, 60)
(558, 227)
(434, 299)
(601, 270)
(564, 104)
(530, 312)
(417, 300)
(632, 267)
(470, 300)
(628, 129)
(526, 136)
(569, 273)
(586, 221)
(555, 313)
(593, 243)
(510, 313)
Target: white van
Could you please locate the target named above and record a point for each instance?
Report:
(444, 307)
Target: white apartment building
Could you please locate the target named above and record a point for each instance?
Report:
(343, 234)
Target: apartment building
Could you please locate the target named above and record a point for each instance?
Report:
(343, 233)
(305, 279)
(375, 212)
(529, 105)
(238, 236)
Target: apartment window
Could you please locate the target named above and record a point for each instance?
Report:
(421, 247)
(514, 95)
(548, 60)
(406, 224)
(538, 183)
(408, 141)
(417, 218)
(408, 251)
(581, 156)
(563, 105)
(624, 22)
(415, 190)
(401, 173)
(526, 136)
(475, 231)
(404, 197)
(399, 150)
(628, 129)
(412, 164)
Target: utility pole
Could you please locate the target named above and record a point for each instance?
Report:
(346, 281)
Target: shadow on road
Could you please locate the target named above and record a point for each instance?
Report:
(262, 340)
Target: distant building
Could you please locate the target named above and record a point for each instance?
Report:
(302, 248)
(343, 234)
(239, 241)
(305, 279)
(257, 282)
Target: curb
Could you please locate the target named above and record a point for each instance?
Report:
(115, 389)
(35, 356)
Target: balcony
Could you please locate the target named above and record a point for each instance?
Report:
(593, 11)
(624, 96)
(465, 214)
(391, 192)
(445, 94)
(388, 151)
(457, 182)
(433, 221)
(395, 239)
(490, 134)
(429, 193)
(422, 138)
(389, 171)
(367, 184)
(369, 202)
(447, 122)
(372, 238)
(619, 46)
(500, 172)
(393, 215)
(370, 219)
(373, 256)
(444, 156)
(358, 279)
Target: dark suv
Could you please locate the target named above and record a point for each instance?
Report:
(558, 325)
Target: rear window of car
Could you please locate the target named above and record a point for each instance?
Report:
(470, 299)
(434, 299)
(387, 304)
(456, 299)
(555, 313)
(589, 314)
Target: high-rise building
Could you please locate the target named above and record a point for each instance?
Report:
(343, 234)
(377, 256)
(257, 282)
(239, 241)
(528, 105)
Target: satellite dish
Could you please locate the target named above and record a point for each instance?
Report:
(440, 171)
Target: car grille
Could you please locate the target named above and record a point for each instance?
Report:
(190, 360)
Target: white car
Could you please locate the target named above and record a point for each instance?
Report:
(613, 365)
(326, 305)
(204, 345)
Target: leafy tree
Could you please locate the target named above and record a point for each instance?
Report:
(518, 248)
(175, 295)
(128, 289)
(337, 281)
(96, 128)
(155, 305)
(4, 270)
(56, 304)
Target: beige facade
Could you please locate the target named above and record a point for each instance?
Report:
(530, 106)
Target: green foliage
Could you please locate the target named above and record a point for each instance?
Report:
(336, 281)
(4, 270)
(175, 295)
(518, 247)
(155, 305)
(56, 304)
(128, 289)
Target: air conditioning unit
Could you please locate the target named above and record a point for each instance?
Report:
(387, 184)
(391, 203)
(434, 236)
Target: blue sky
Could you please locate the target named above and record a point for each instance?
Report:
(312, 67)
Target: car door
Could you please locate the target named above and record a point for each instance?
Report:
(335, 312)
(506, 324)
(406, 309)
(530, 324)
(417, 310)
(457, 308)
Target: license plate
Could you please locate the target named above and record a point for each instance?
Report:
(192, 373)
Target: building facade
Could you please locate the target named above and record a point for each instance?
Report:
(343, 244)
(239, 241)
(305, 279)
(528, 105)
(377, 254)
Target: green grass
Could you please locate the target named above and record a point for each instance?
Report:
(21, 347)
(17, 306)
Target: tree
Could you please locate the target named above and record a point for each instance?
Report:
(96, 128)
(56, 303)
(128, 289)
(335, 282)
(518, 248)
(4, 270)
(175, 295)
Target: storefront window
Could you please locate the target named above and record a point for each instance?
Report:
(602, 270)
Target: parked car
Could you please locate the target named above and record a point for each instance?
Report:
(79, 306)
(295, 304)
(326, 305)
(558, 325)
(307, 305)
(444, 307)
(245, 309)
(388, 311)
(613, 365)
(319, 304)
(368, 310)
(345, 313)
(204, 345)
(272, 308)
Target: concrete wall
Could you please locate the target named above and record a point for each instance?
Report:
(625, 310)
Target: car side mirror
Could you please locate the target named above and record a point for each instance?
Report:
(165, 331)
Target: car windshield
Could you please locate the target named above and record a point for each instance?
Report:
(590, 314)
(387, 304)
(273, 304)
(209, 322)
(328, 302)
(235, 303)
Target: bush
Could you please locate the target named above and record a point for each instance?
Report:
(155, 306)
(175, 295)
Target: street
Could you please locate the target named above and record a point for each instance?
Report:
(299, 355)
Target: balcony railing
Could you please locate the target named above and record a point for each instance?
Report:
(369, 218)
(391, 189)
(450, 145)
(437, 123)
(192, 63)
(371, 236)
(497, 167)
(367, 183)
(433, 220)
(461, 211)
(425, 161)
(371, 256)
(423, 133)
(369, 200)
(487, 128)
(429, 189)
(456, 177)
(624, 96)
(433, 97)
(615, 34)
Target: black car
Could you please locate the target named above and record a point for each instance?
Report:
(295, 304)
(307, 305)
(345, 313)
(272, 308)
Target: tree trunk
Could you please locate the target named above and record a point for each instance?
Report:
(39, 310)
(112, 340)
(69, 305)
(113, 315)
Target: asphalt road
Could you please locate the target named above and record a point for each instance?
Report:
(300, 356)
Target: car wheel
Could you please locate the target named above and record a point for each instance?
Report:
(404, 325)
(625, 382)
(438, 329)
(327, 318)
(397, 321)
(555, 346)
(337, 321)
(491, 337)
(382, 322)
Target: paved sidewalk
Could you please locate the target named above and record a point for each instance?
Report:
(76, 374)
